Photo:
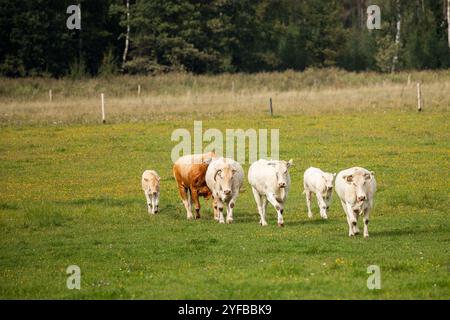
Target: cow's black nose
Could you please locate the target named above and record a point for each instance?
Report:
(361, 198)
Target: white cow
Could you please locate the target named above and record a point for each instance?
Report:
(270, 181)
(150, 185)
(321, 184)
(356, 188)
(224, 178)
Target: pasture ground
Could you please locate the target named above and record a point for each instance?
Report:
(70, 195)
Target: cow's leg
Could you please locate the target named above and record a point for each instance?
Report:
(366, 222)
(155, 202)
(355, 226)
(220, 209)
(185, 197)
(189, 192)
(259, 205)
(216, 209)
(278, 206)
(196, 202)
(152, 201)
(149, 202)
(264, 207)
(354, 216)
(349, 220)
(230, 207)
(308, 202)
(322, 206)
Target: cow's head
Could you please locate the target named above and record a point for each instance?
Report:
(204, 191)
(224, 177)
(153, 184)
(359, 180)
(281, 168)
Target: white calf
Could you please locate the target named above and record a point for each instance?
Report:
(270, 181)
(356, 188)
(150, 185)
(321, 184)
(224, 178)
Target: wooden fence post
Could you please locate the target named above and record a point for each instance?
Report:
(271, 107)
(419, 97)
(103, 108)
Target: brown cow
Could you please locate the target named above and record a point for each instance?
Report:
(189, 172)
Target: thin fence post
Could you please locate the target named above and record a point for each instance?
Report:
(139, 90)
(50, 95)
(409, 79)
(103, 108)
(271, 107)
(419, 97)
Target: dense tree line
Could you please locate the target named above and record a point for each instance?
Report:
(214, 36)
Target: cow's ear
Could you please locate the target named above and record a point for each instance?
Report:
(207, 160)
(372, 173)
(217, 173)
(159, 178)
(348, 178)
(290, 163)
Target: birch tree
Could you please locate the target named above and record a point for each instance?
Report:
(448, 23)
(127, 36)
(397, 36)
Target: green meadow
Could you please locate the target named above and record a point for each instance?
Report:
(70, 195)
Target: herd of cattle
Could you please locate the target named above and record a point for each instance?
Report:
(205, 175)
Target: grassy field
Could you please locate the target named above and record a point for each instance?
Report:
(70, 195)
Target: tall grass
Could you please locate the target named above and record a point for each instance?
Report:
(185, 95)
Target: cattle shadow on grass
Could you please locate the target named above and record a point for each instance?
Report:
(404, 232)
